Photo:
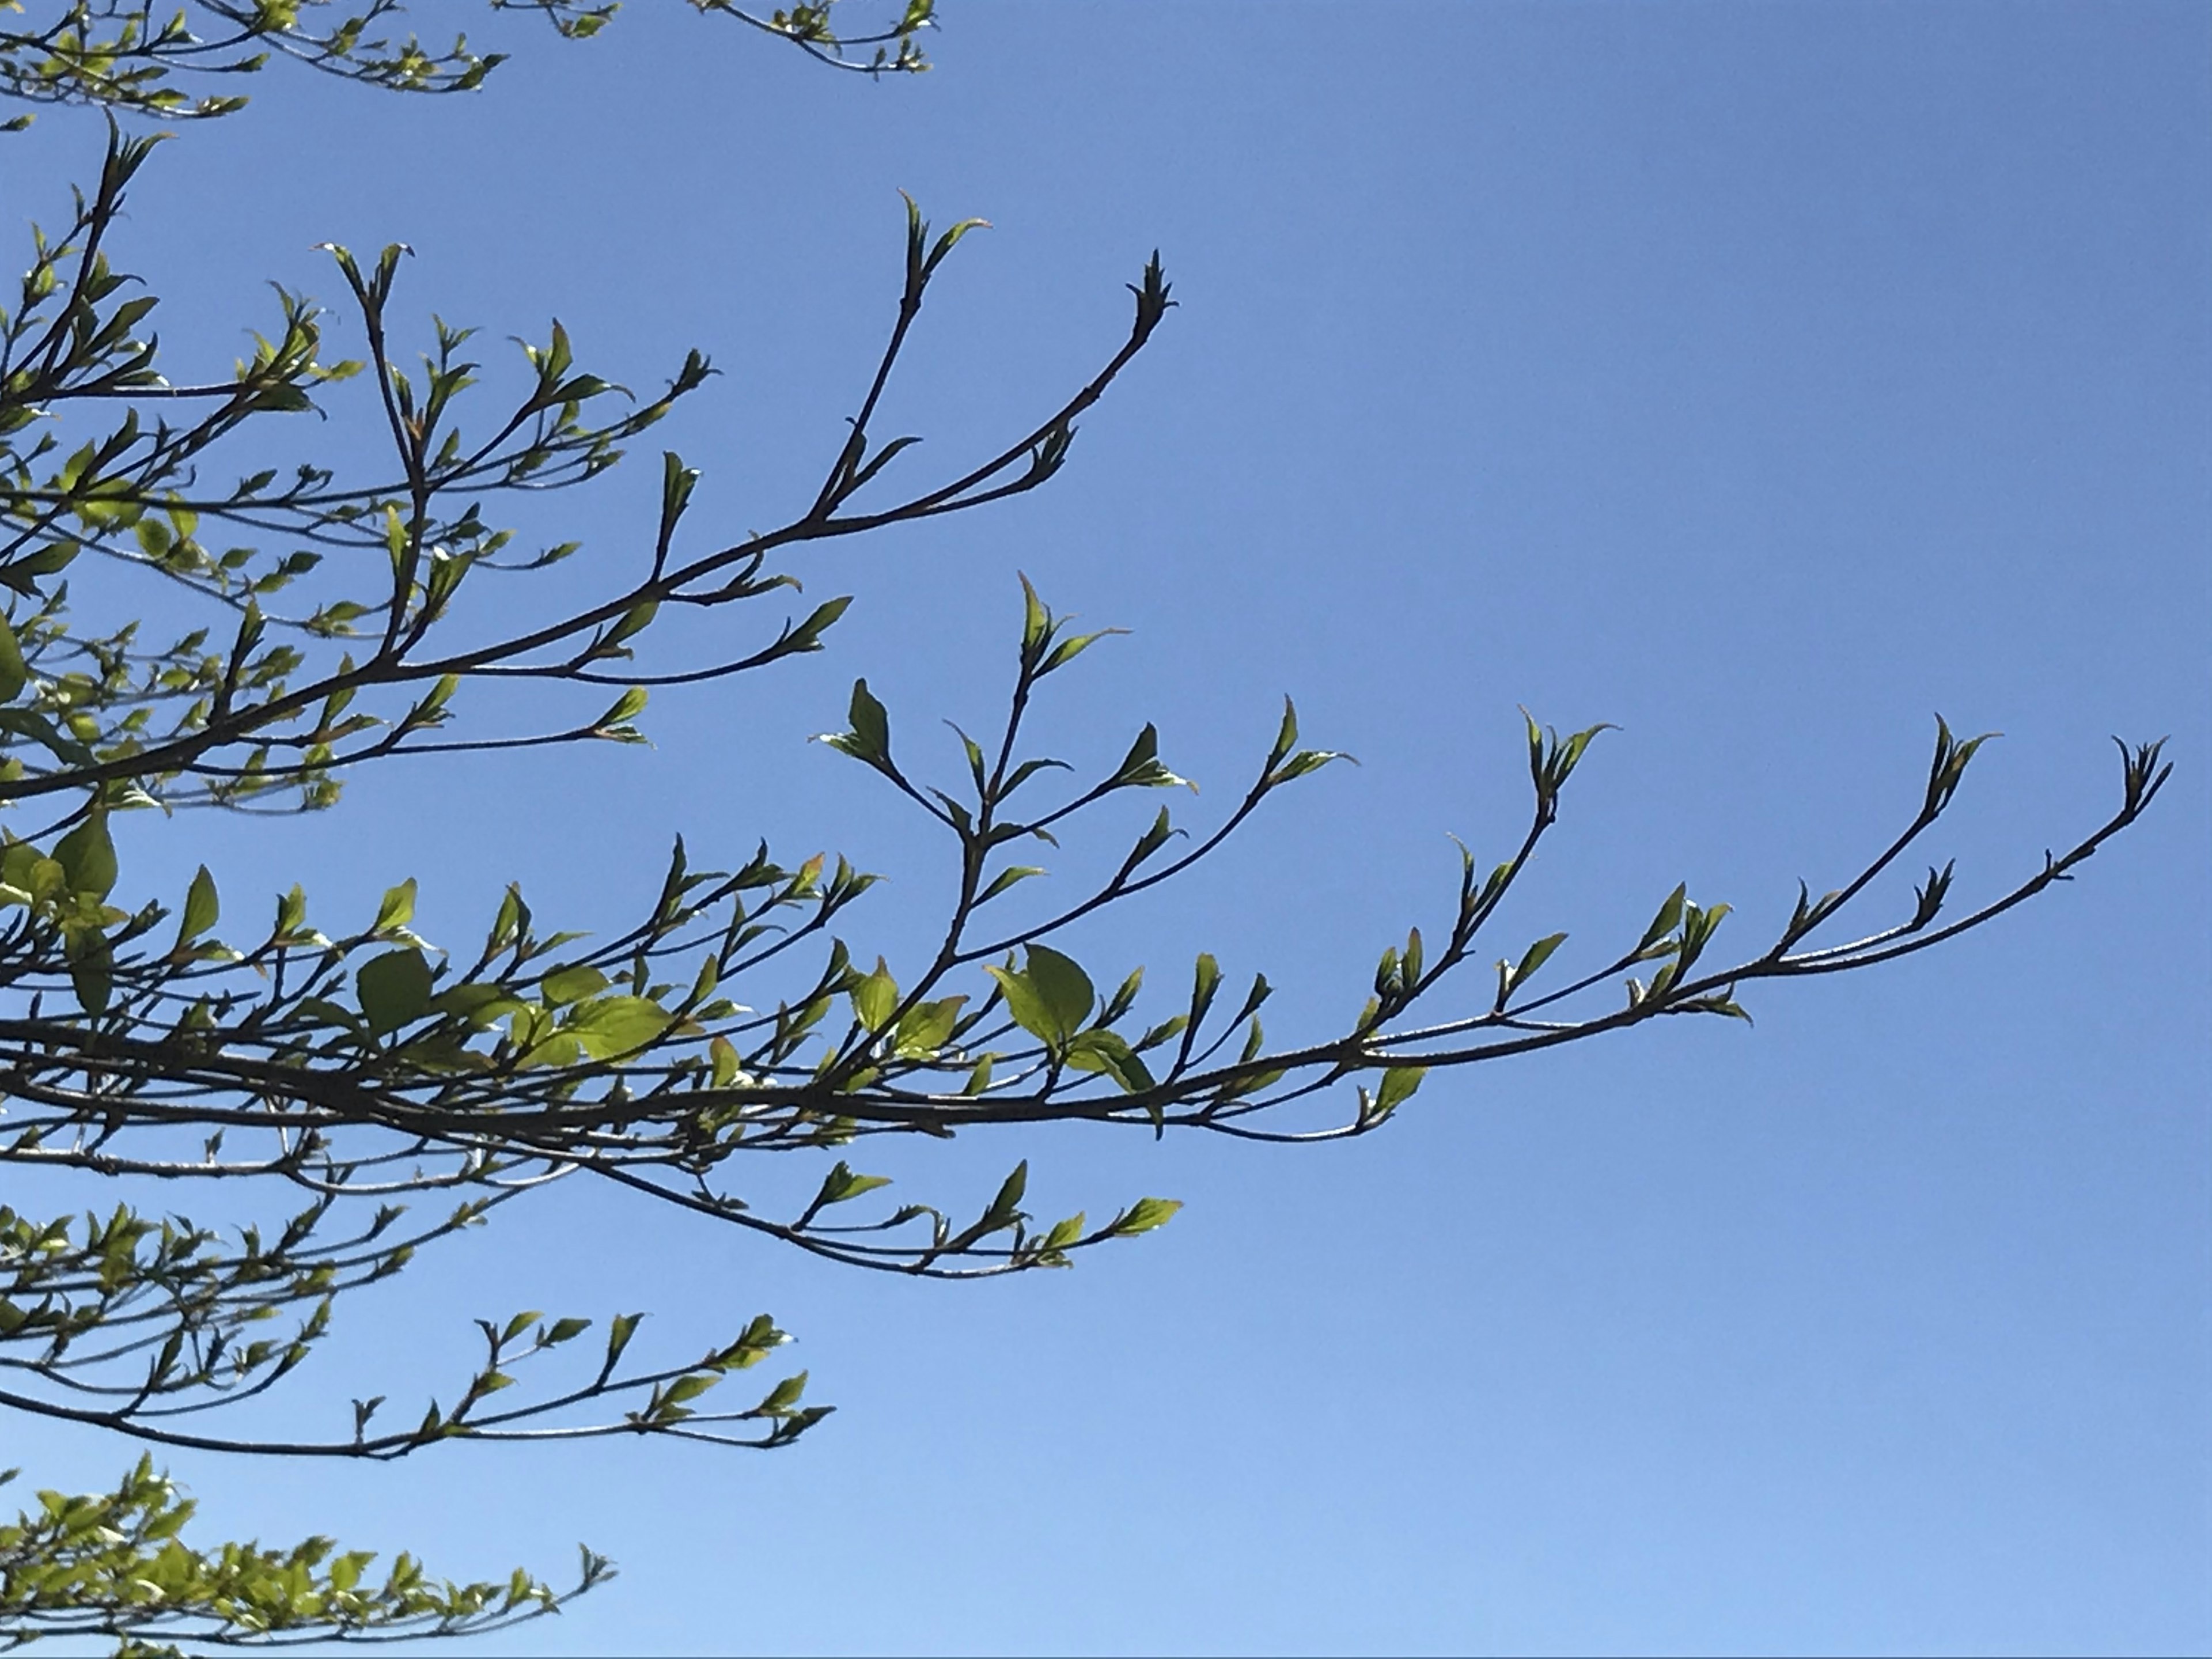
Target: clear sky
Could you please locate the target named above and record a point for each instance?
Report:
(1763, 379)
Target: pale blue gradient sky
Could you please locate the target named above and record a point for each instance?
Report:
(1763, 379)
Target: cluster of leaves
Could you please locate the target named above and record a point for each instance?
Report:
(315, 618)
(152, 1323)
(96, 1564)
(138, 57)
(270, 705)
(143, 1323)
(891, 46)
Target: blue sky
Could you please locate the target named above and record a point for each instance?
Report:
(1764, 379)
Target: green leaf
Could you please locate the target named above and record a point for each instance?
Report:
(1063, 988)
(1259, 992)
(1205, 980)
(87, 857)
(1024, 1003)
(619, 1333)
(291, 912)
(618, 1025)
(870, 724)
(1538, 955)
(927, 1026)
(1006, 879)
(1003, 1206)
(1305, 761)
(625, 708)
(1286, 736)
(91, 969)
(202, 908)
(676, 482)
(807, 636)
(398, 908)
(1050, 998)
(1716, 1004)
(949, 241)
(1140, 767)
(1073, 646)
(784, 1395)
(393, 989)
(1101, 1050)
(483, 1004)
(722, 1055)
(572, 984)
(1036, 621)
(1670, 912)
(17, 860)
(1124, 997)
(690, 1387)
(875, 998)
(841, 1184)
(36, 726)
(15, 673)
(1396, 1089)
(1064, 1233)
(1144, 1215)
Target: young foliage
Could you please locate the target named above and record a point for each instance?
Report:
(299, 623)
(112, 1564)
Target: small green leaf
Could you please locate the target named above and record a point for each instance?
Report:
(1025, 1003)
(572, 984)
(483, 1004)
(949, 241)
(1050, 998)
(638, 617)
(875, 998)
(723, 1056)
(1125, 996)
(690, 1387)
(1064, 1233)
(1670, 912)
(398, 908)
(841, 1184)
(1004, 1205)
(1037, 620)
(1140, 767)
(14, 673)
(1205, 980)
(618, 1025)
(625, 708)
(1101, 1050)
(619, 1335)
(1396, 1089)
(783, 1397)
(1286, 735)
(1144, 1216)
(1538, 955)
(202, 908)
(87, 857)
(393, 989)
(1006, 879)
(807, 636)
(292, 911)
(1063, 987)
(927, 1026)
(91, 969)
(870, 724)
